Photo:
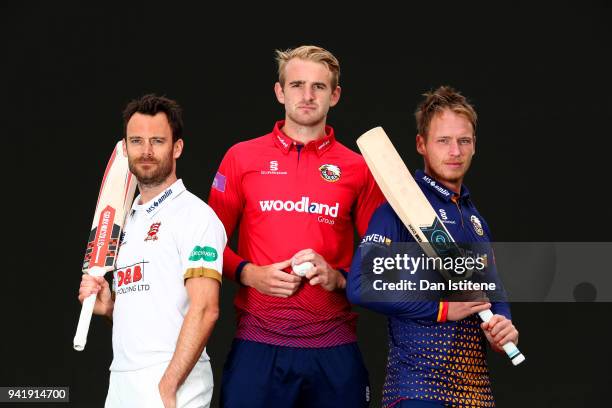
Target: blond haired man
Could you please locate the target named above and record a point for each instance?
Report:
(296, 194)
(428, 365)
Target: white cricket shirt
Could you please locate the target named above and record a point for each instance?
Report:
(173, 237)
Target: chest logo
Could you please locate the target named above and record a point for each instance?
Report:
(153, 230)
(477, 225)
(273, 169)
(443, 214)
(330, 172)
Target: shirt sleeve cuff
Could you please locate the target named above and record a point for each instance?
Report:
(239, 269)
(442, 312)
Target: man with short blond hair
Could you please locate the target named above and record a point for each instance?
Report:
(296, 195)
(437, 349)
(308, 53)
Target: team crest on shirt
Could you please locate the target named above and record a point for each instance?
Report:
(153, 230)
(477, 225)
(330, 172)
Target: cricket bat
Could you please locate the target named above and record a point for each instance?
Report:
(114, 202)
(412, 207)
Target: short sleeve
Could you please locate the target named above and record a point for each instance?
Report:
(203, 242)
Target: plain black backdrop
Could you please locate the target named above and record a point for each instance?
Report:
(538, 76)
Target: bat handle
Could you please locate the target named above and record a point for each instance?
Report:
(80, 337)
(510, 348)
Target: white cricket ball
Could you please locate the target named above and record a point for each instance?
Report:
(301, 269)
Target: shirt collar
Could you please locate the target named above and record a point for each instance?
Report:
(440, 189)
(151, 207)
(285, 143)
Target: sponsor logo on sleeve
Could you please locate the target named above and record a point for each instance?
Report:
(376, 238)
(219, 182)
(208, 254)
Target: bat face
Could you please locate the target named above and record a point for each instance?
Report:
(114, 200)
(439, 238)
(406, 198)
(103, 241)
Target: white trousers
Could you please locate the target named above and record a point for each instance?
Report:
(134, 389)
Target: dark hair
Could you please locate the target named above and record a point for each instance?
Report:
(435, 102)
(151, 105)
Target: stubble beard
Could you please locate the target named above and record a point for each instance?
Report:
(155, 177)
(447, 176)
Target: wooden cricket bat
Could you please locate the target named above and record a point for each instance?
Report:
(412, 207)
(114, 203)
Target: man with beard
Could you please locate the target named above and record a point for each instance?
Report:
(296, 194)
(437, 349)
(164, 303)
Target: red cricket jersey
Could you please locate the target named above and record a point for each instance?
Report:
(287, 197)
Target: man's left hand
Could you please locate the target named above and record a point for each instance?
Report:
(499, 330)
(322, 274)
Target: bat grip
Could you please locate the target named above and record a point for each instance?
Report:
(510, 348)
(80, 337)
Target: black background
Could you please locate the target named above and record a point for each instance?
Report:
(539, 78)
